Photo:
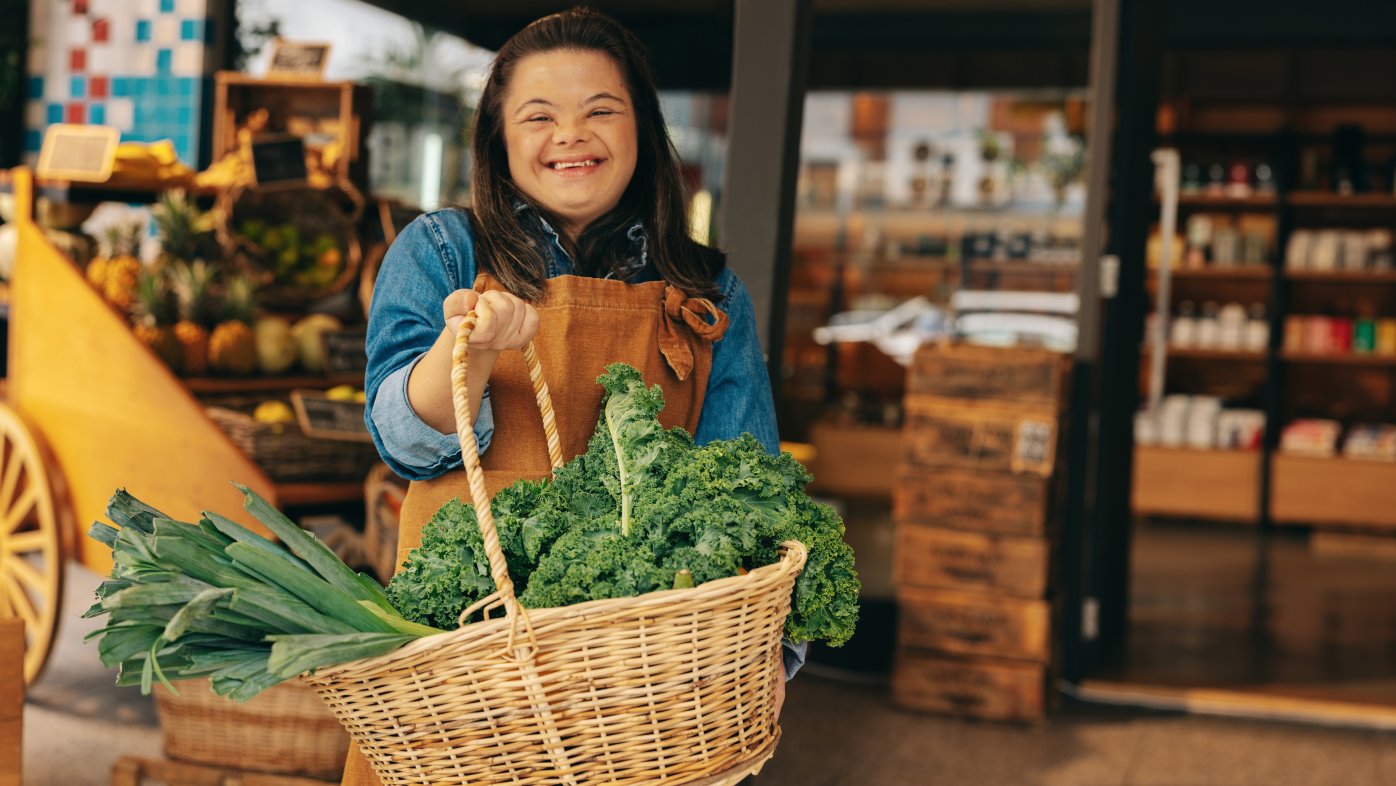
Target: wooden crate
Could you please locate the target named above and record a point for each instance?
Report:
(1333, 491)
(992, 437)
(11, 701)
(933, 558)
(339, 109)
(1036, 377)
(856, 461)
(971, 688)
(1212, 484)
(970, 624)
(991, 502)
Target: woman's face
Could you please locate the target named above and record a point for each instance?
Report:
(569, 129)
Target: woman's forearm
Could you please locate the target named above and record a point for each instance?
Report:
(429, 386)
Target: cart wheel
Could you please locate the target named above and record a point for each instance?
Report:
(31, 550)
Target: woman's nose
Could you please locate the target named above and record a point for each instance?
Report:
(567, 132)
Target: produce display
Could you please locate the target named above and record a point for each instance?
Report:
(294, 258)
(643, 509)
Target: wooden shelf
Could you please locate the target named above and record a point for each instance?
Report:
(1191, 353)
(1326, 199)
(1212, 484)
(203, 386)
(1340, 359)
(1309, 490)
(319, 493)
(1221, 202)
(1342, 276)
(1234, 273)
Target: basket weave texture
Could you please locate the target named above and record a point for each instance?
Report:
(284, 452)
(674, 687)
(285, 729)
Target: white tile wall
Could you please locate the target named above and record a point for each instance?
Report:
(166, 30)
(188, 60)
(120, 113)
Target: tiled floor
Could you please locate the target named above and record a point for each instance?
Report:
(835, 734)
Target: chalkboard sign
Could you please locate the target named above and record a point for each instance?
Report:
(298, 60)
(326, 418)
(345, 351)
(278, 160)
(78, 152)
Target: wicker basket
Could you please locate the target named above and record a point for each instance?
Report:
(285, 729)
(285, 452)
(313, 211)
(674, 687)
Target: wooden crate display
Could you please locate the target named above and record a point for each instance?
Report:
(991, 436)
(339, 111)
(1027, 376)
(1002, 503)
(986, 689)
(970, 624)
(936, 558)
(11, 701)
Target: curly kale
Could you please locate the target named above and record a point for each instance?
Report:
(623, 518)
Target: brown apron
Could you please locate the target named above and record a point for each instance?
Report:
(585, 324)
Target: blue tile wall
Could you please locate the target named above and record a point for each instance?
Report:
(55, 113)
(189, 30)
(33, 140)
(97, 114)
(164, 61)
(142, 29)
(167, 6)
(36, 87)
(77, 87)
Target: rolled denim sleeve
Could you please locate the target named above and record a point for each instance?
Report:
(431, 258)
(738, 398)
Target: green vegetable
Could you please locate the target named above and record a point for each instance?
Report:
(216, 600)
(640, 505)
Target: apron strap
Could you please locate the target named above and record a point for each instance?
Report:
(680, 309)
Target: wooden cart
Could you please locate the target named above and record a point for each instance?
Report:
(88, 410)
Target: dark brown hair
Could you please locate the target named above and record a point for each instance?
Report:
(506, 240)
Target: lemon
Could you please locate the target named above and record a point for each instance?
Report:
(274, 412)
(342, 393)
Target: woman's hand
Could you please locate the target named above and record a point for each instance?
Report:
(505, 321)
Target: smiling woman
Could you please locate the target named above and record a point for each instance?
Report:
(577, 243)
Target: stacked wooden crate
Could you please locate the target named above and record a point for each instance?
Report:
(975, 544)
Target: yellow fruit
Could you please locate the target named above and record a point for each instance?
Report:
(341, 393)
(120, 284)
(361, 397)
(97, 274)
(161, 341)
(232, 349)
(193, 346)
(274, 412)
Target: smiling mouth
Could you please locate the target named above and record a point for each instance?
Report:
(564, 166)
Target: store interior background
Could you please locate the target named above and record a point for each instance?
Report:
(1248, 572)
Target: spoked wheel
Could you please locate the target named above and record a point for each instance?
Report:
(31, 547)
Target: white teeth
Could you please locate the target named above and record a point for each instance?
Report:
(574, 164)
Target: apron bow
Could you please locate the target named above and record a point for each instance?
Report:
(693, 312)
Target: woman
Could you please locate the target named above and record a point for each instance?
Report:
(577, 240)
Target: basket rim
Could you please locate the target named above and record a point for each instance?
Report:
(792, 561)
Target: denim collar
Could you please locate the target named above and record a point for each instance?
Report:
(561, 264)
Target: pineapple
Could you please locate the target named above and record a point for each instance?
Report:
(97, 268)
(153, 312)
(232, 348)
(191, 282)
(181, 226)
(123, 269)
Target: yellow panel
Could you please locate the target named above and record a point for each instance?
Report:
(111, 412)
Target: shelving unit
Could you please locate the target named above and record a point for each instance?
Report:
(1286, 489)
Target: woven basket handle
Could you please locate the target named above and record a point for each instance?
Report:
(470, 452)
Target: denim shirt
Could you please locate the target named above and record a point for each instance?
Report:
(434, 256)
